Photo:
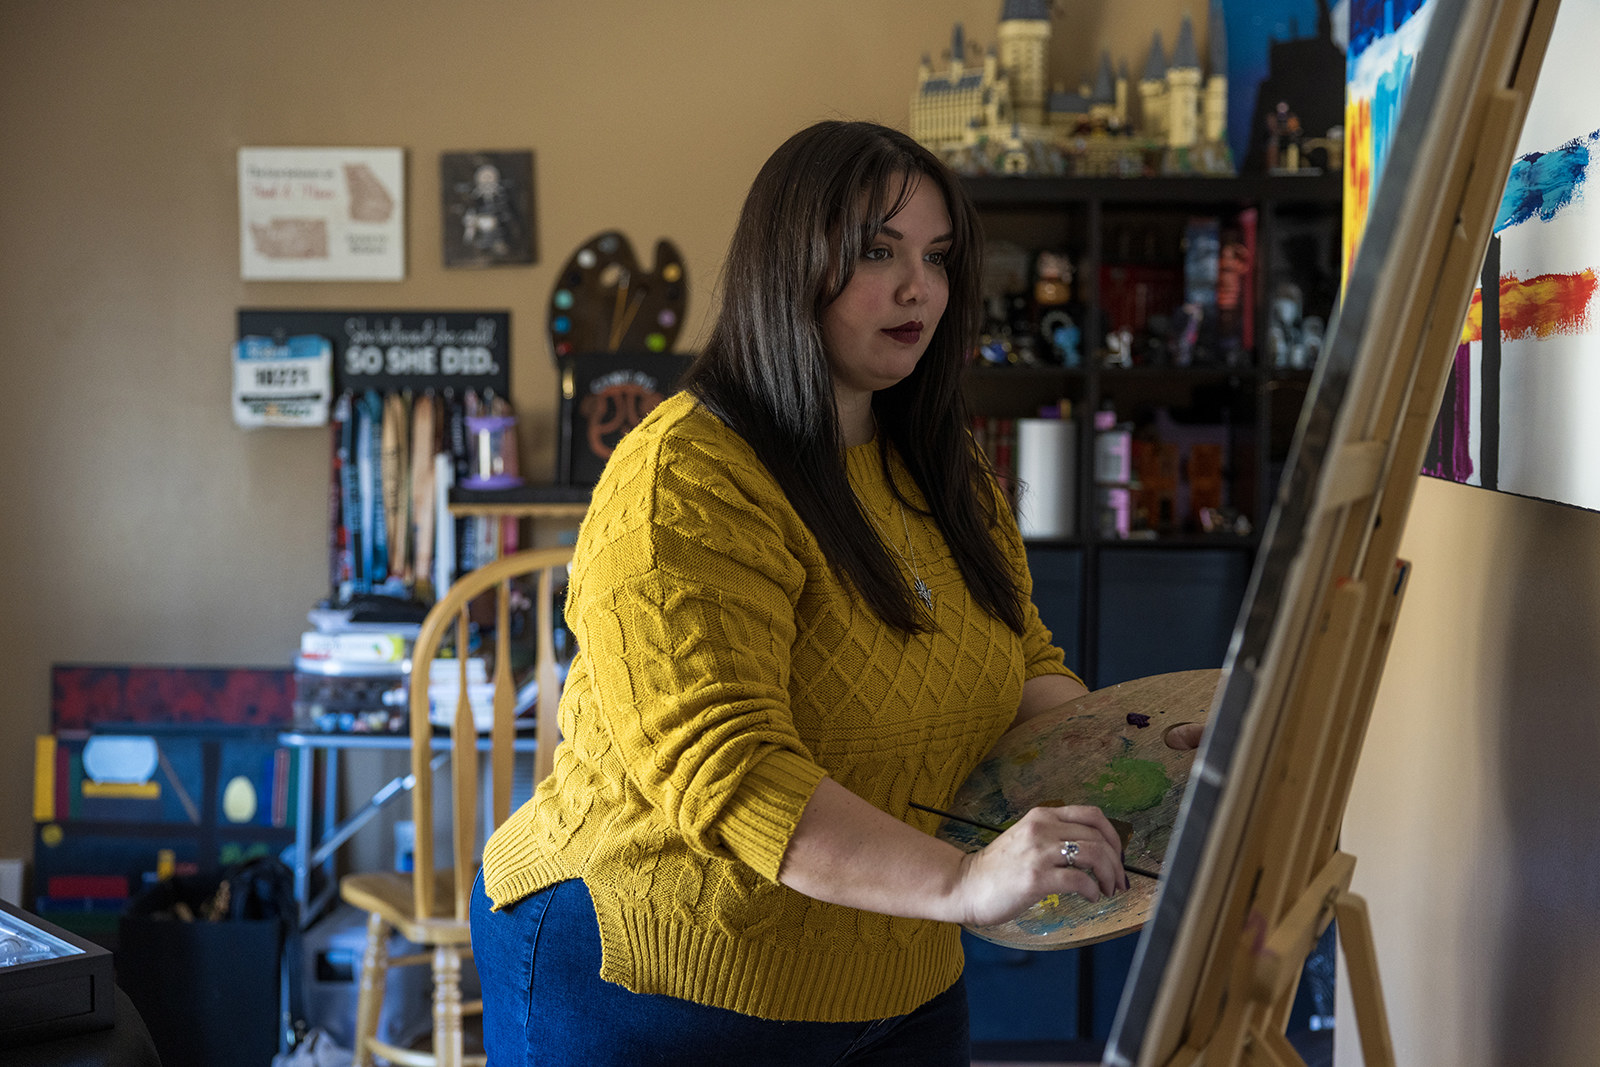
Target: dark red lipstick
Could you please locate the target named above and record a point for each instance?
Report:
(907, 333)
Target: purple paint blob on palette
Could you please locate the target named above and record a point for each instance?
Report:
(1089, 751)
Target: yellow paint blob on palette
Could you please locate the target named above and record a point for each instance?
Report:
(1107, 749)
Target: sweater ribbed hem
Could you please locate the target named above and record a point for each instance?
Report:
(649, 953)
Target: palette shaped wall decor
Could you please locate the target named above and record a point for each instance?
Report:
(604, 301)
(1107, 749)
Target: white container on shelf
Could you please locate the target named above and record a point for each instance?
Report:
(1047, 459)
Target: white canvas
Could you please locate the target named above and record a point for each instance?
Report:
(1548, 388)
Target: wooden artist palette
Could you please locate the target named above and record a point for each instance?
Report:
(1090, 751)
(604, 301)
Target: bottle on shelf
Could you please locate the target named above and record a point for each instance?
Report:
(1113, 475)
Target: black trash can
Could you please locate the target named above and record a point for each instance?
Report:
(201, 959)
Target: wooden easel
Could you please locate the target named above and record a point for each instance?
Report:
(1259, 876)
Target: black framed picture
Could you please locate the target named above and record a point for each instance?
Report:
(604, 395)
(487, 202)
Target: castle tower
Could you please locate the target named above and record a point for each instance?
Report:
(1103, 97)
(1122, 93)
(1153, 91)
(1024, 43)
(952, 99)
(1216, 92)
(1183, 90)
(997, 94)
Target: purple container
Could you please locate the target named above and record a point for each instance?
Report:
(492, 438)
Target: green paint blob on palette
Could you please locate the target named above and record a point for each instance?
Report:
(1093, 751)
(1128, 785)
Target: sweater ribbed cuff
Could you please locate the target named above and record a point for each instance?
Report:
(761, 817)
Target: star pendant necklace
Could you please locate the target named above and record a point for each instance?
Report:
(919, 586)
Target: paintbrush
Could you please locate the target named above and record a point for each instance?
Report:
(1123, 830)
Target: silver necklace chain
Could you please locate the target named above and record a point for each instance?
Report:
(919, 586)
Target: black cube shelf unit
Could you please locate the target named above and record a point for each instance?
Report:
(1163, 599)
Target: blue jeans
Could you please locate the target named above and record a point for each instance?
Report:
(545, 1005)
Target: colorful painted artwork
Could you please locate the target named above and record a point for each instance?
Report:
(1518, 411)
(1385, 36)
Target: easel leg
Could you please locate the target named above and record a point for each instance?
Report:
(1271, 1049)
(1361, 956)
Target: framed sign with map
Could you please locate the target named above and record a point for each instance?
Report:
(330, 214)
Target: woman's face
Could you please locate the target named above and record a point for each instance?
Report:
(879, 326)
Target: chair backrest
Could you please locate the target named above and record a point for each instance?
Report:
(451, 610)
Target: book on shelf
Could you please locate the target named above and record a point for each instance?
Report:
(998, 439)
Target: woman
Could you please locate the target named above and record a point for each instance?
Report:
(800, 605)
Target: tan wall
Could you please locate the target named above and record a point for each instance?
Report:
(1474, 814)
(137, 524)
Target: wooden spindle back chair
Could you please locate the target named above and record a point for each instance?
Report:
(429, 905)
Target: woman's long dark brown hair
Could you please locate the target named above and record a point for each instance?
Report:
(814, 206)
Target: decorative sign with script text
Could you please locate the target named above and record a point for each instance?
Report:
(399, 350)
(322, 214)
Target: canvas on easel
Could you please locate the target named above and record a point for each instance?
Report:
(1254, 872)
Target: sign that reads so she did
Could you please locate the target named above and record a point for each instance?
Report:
(398, 350)
(448, 360)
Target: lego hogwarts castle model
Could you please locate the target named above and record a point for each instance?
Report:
(998, 116)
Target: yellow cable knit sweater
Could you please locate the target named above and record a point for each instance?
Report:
(722, 672)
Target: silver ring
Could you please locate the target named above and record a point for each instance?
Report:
(1069, 852)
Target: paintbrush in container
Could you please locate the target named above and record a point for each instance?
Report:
(1123, 829)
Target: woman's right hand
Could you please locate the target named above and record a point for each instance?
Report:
(1028, 863)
